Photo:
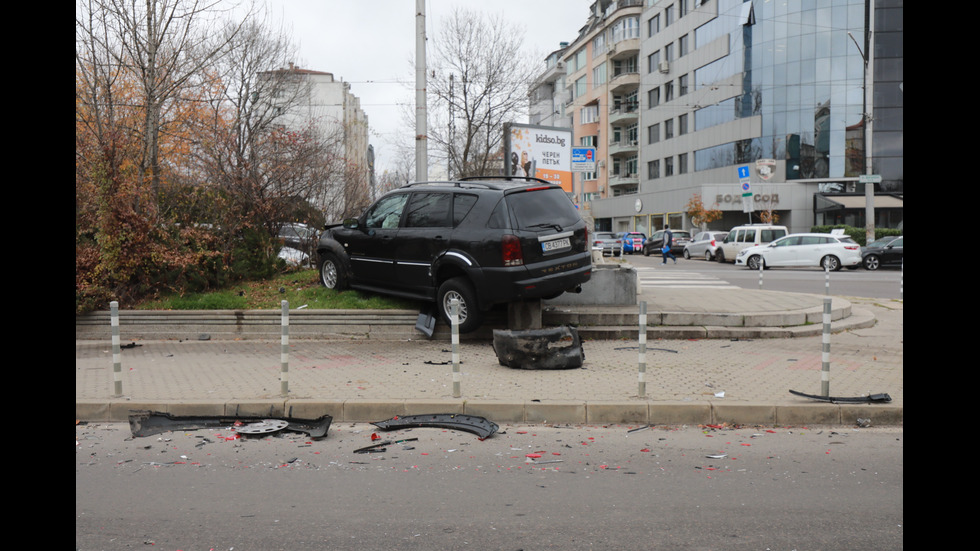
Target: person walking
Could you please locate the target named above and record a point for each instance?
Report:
(665, 246)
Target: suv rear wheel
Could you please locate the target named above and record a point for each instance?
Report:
(459, 288)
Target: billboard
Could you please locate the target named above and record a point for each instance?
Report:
(540, 151)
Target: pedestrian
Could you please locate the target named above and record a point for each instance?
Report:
(666, 244)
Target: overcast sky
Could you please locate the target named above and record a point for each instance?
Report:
(371, 45)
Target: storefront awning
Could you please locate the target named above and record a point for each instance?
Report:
(837, 202)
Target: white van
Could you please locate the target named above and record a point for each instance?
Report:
(751, 235)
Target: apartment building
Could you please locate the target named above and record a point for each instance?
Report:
(677, 95)
(317, 98)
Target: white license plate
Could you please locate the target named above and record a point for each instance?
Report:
(556, 244)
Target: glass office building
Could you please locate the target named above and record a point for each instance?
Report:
(733, 82)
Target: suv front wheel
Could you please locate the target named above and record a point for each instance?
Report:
(460, 289)
(331, 273)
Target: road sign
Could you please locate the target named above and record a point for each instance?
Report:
(869, 178)
(583, 159)
(744, 173)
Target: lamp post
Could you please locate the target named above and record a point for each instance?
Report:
(869, 181)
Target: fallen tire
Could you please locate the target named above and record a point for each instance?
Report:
(552, 348)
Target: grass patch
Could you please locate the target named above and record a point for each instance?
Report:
(300, 288)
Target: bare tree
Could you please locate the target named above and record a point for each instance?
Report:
(164, 45)
(481, 75)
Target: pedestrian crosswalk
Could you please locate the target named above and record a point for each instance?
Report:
(669, 278)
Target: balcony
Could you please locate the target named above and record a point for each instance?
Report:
(624, 82)
(624, 180)
(624, 115)
(623, 147)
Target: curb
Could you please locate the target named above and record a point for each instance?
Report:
(638, 411)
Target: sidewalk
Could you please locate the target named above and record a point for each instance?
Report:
(740, 380)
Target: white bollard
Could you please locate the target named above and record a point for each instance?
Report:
(642, 386)
(825, 368)
(116, 351)
(284, 353)
(454, 318)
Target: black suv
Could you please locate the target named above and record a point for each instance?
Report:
(481, 241)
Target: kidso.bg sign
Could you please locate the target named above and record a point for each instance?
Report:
(540, 151)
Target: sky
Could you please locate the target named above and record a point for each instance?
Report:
(371, 45)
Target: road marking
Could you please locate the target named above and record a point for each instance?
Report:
(661, 278)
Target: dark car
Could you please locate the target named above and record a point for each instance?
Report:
(482, 241)
(883, 253)
(655, 242)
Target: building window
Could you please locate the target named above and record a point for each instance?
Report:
(668, 15)
(669, 166)
(599, 75)
(653, 62)
(682, 163)
(669, 91)
(589, 114)
(653, 97)
(599, 45)
(653, 170)
(653, 133)
(580, 87)
(669, 52)
(653, 25)
(682, 46)
(668, 129)
(682, 85)
(682, 125)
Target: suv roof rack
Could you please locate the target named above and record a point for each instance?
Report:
(489, 182)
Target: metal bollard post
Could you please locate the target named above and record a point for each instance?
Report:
(454, 318)
(284, 354)
(761, 264)
(116, 351)
(825, 369)
(826, 270)
(642, 376)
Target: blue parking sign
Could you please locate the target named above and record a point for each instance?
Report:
(743, 172)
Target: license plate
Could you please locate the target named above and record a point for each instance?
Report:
(556, 244)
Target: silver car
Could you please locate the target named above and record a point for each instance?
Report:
(704, 245)
(609, 242)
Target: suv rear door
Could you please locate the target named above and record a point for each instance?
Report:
(549, 228)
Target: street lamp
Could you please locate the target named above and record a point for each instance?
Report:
(869, 180)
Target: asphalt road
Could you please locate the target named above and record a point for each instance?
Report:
(525, 487)
(883, 283)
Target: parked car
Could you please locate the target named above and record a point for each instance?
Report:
(609, 242)
(299, 243)
(633, 241)
(749, 235)
(704, 244)
(883, 252)
(654, 243)
(481, 241)
(803, 249)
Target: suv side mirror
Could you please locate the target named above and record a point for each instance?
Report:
(351, 223)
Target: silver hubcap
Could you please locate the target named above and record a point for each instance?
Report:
(329, 274)
(448, 302)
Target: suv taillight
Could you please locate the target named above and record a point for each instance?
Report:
(510, 251)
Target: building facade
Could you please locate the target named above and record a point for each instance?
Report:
(677, 95)
(316, 98)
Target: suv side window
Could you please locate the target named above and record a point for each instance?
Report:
(748, 236)
(428, 210)
(386, 212)
(772, 235)
(462, 203)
